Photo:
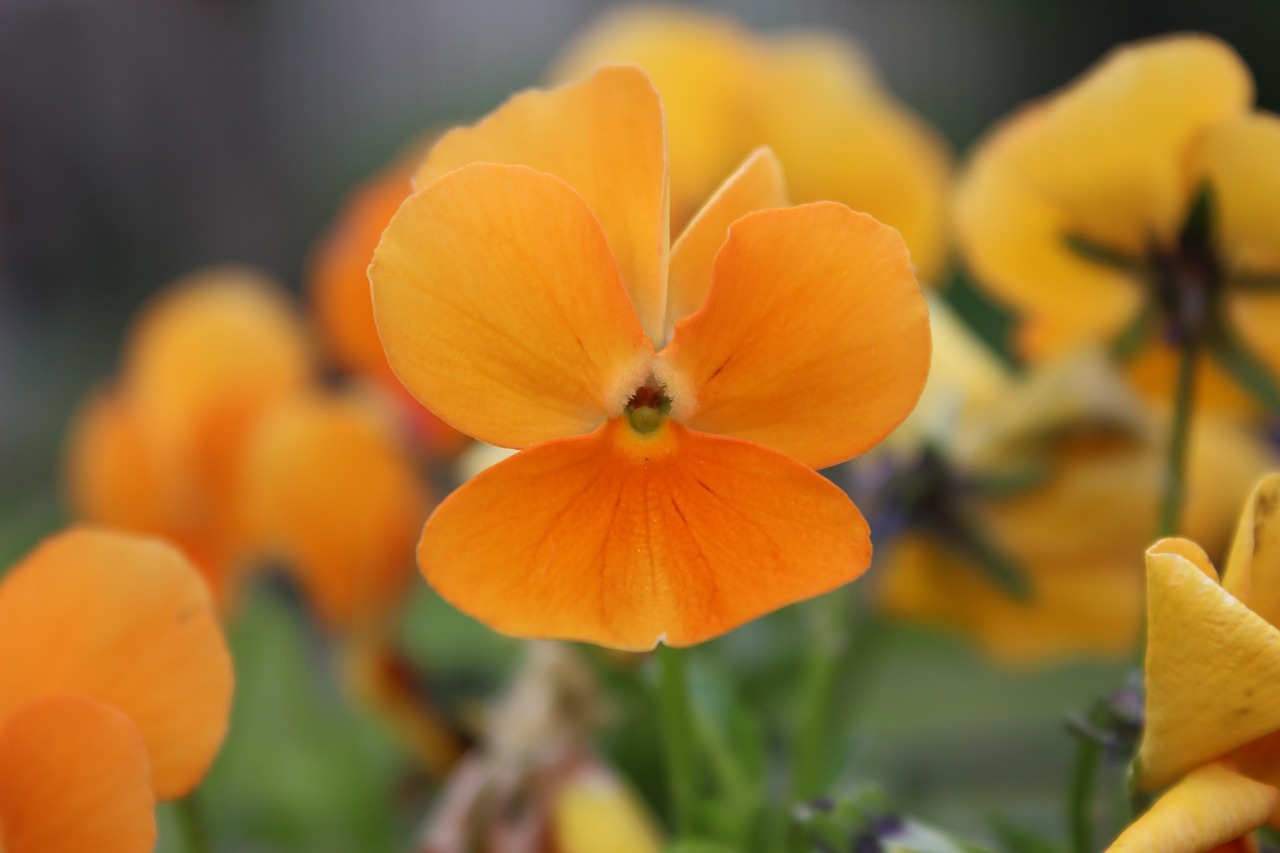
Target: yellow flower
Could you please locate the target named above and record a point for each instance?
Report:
(1138, 207)
(1053, 479)
(1213, 700)
(809, 96)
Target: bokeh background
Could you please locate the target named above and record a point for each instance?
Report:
(140, 139)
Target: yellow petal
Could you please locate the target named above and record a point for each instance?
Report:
(1252, 574)
(841, 136)
(604, 137)
(1211, 806)
(501, 307)
(814, 339)
(333, 491)
(128, 622)
(1240, 159)
(1210, 669)
(595, 812)
(1089, 608)
(623, 539)
(1108, 160)
(758, 184)
(73, 777)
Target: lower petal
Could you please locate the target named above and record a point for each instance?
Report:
(1209, 807)
(73, 777)
(626, 540)
(128, 622)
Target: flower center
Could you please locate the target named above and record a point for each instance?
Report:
(648, 407)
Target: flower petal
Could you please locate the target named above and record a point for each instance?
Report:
(625, 540)
(1240, 159)
(604, 137)
(1211, 806)
(73, 777)
(502, 309)
(1210, 668)
(814, 339)
(127, 622)
(331, 490)
(1252, 574)
(757, 184)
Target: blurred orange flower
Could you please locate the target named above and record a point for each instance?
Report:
(1213, 702)
(338, 285)
(1031, 496)
(659, 495)
(1138, 207)
(115, 690)
(809, 96)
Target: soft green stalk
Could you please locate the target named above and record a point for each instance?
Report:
(679, 741)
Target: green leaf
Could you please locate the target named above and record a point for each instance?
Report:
(1197, 229)
(1127, 344)
(1254, 282)
(1243, 366)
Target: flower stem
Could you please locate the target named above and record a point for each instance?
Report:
(678, 737)
(1179, 436)
(1080, 803)
(195, 836)
(817, 711)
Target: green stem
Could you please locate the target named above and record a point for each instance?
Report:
(1180, 433)
(195, 835)
(1080, 803)
(813, 737)
(678, 737)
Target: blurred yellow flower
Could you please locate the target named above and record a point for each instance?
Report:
(1212, 726)
(809, 96)
(1031, 498)
(1139, 207)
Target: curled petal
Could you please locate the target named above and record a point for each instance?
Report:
(331, 489)
(1211, 806)
(1210, 667)
(814, 339)
(757, 184)
(73, 777)
(502, 309)
(127, 622)
(1252, 574)
(604, 137)
(624, 540)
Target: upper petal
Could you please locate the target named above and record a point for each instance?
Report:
(501, 307)
(126, 621)
(331, 489)
(625, 540)
(1240, 159)
(1211, 806)
(757, 184)
(604, 137)
(73, 777)
(1210, 668)
(814, 338)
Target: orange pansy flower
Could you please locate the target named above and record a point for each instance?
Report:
(1212, 728)
(810, 96)
(160, 451)
(115, 689)
(1138, 206)
(671, 402)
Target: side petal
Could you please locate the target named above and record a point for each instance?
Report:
(331, 490)
(128, 622)
(1211, 806)
(1252, 574)
(604, 137)
(626, 540)
(1210, 668)
(501, 307)
(757, 184)
(73, 777)
(814, 339)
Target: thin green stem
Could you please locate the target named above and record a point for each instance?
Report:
(1084, 776)
(195, 835)
(817, 704)
(1175, 481)
(678, 737)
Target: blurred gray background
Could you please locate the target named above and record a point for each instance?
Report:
(142, 138)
